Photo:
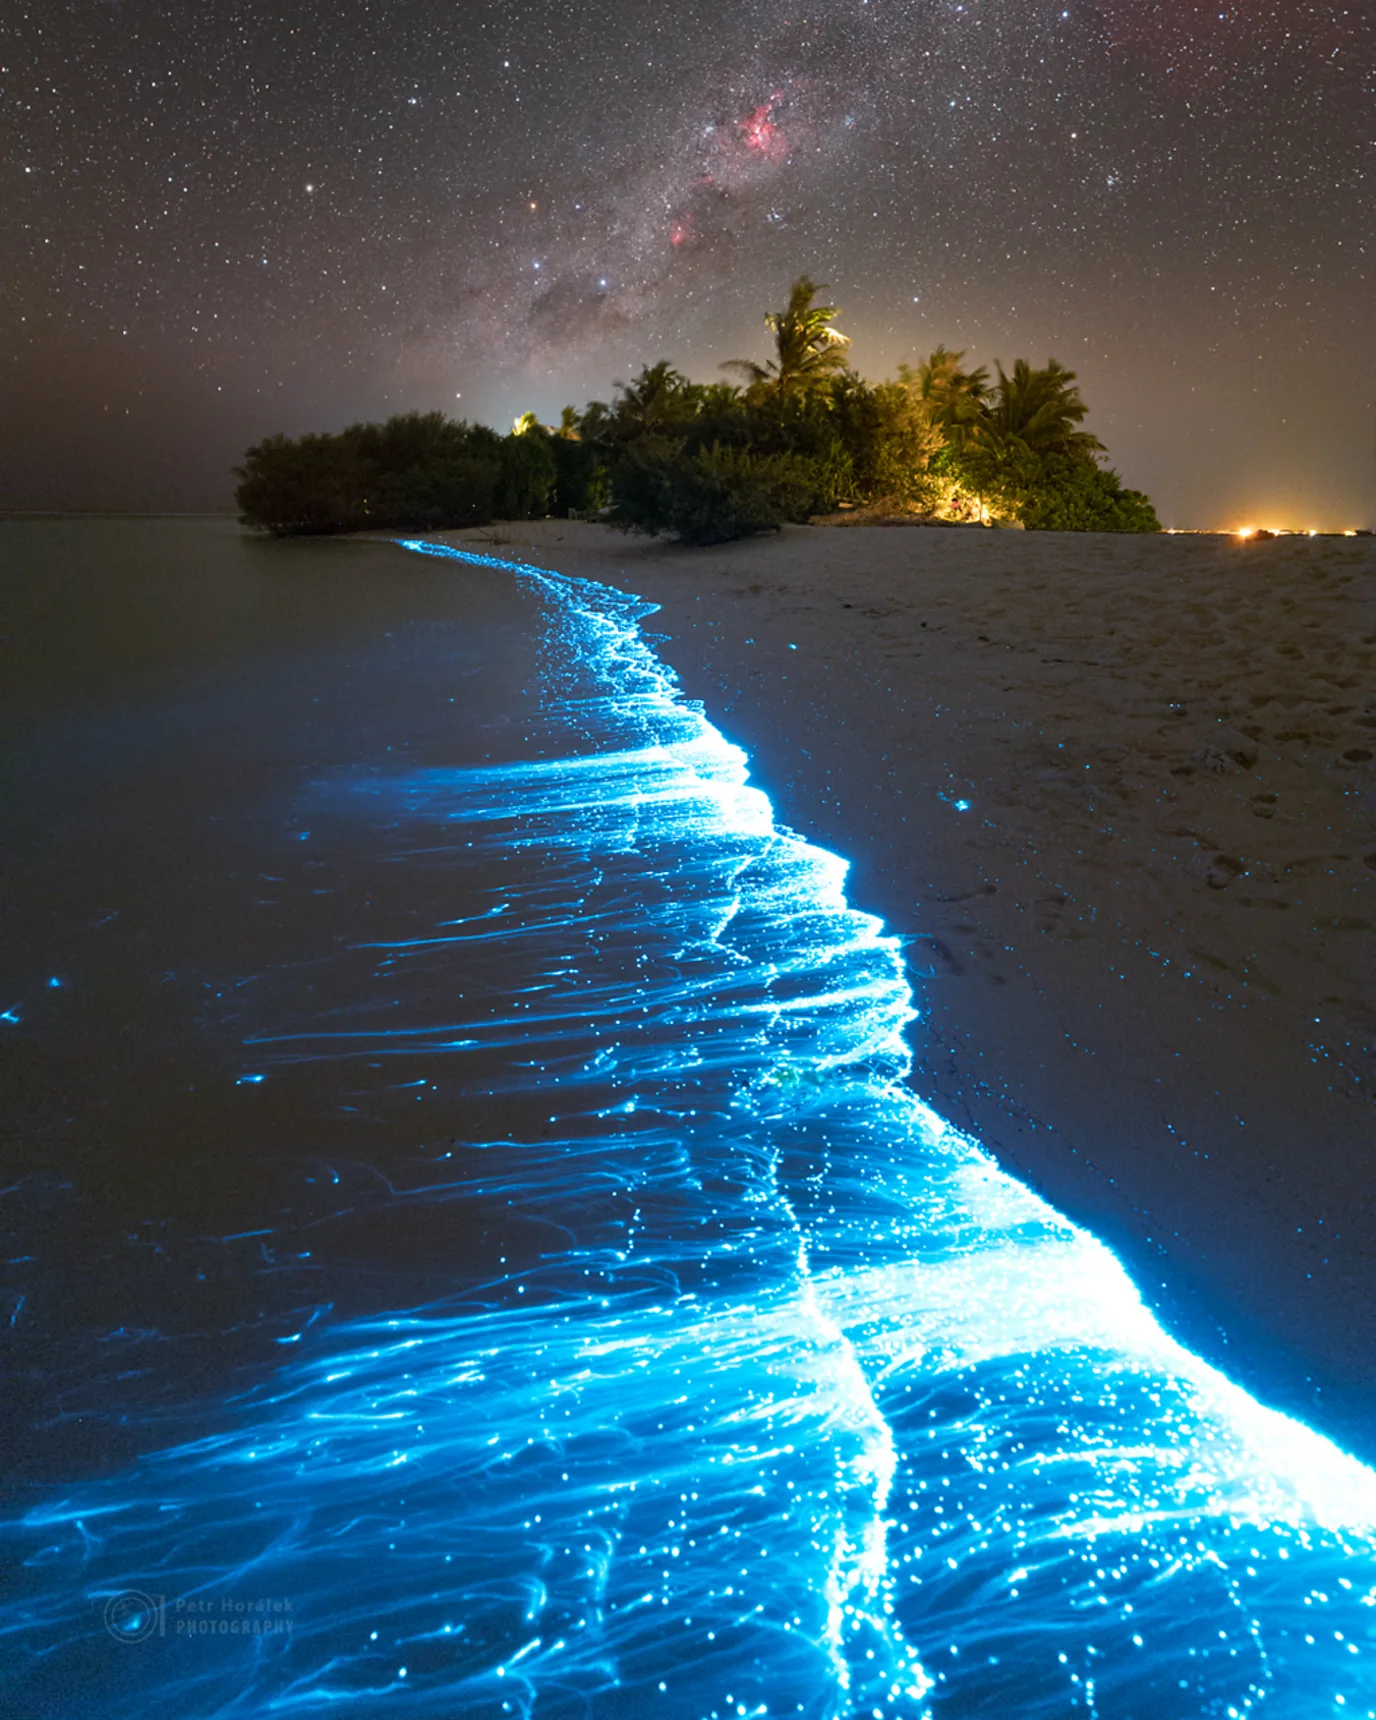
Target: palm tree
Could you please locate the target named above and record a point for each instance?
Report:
(655, 401)
(953, 400)
(1007, 439)
(1037, 410)
(808, 350)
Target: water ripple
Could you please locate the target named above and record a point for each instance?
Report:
(796, 1404)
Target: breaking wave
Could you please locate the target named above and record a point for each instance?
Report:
(755, 1389)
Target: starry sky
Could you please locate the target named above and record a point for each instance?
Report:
(232, 217)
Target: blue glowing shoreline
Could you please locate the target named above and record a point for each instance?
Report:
(807, 1407)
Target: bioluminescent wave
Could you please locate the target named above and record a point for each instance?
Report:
(750, 1386)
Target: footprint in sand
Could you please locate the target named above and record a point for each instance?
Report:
(945, 964)
(1224, 870)
(1214, 760)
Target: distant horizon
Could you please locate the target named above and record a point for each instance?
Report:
(175, 454)
(1275, 532)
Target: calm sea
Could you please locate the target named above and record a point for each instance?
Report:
(470, 1249)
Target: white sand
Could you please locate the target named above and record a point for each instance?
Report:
(1144, 954)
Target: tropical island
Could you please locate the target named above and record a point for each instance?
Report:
(798, 438)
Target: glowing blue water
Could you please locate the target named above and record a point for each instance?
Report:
(780, 1399)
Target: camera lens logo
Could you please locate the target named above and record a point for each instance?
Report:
(133, 1616)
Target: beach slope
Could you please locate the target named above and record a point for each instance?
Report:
(1117, 794)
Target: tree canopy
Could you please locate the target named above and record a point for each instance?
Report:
(418, 471)
(808, 350)
(805, 435)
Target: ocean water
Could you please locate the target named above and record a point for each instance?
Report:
(474, 1251)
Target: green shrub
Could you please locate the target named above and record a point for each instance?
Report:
(527, 475)
(419, 471)
(459, 491)
(314, 484)
(1075, 494)
(706, 497)
(410, 440)
(580, 477)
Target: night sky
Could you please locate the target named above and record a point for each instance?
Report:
(225, 218)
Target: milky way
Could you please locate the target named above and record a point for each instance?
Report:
(239, 217)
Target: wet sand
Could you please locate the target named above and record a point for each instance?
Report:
(1119, 796)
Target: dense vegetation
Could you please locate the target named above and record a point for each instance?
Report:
(802, 434)
(417, 472)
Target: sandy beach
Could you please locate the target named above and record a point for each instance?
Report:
(1118, 795)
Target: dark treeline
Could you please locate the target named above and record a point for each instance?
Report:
(799, 436)
(417, 472)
